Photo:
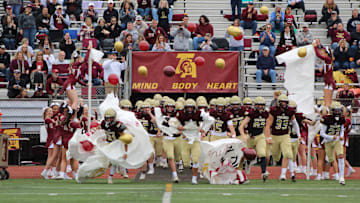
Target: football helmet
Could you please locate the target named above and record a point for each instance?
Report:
(212, 101)
(110, 115)
(125, 103)
(200, 98)
(259, 103)
(179, 106)
(247, 101)
(170, 103)
(336, 108)
(181, 99)
(292, 104)
(220, 105)
(137, 104)
(202, 104)
(157, 97)
(320, 101)
(283, 101)
(190, 105)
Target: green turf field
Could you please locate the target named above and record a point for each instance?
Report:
(36, 190)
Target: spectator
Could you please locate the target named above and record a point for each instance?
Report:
(67, 45)
(127, 15)
(73, 9)
(53, 84)
(346, 96)
(293, 4)
(43, 21)
(200, 31)
(290, 19)
(110, 12)
(39, 93)
(137, 43)
(144, 8)
(333, 20)
(140, 25)
(96, 73)
(353, 21)
(113, 66)
(287, 40)
(327, 8)
(152, 32)
(36, 8)
(16, 83)
(304, 37)
(128, 44)
(52, 6)
(39, 71)
(207, 44)
(355, 37)
(235, 45)
(27, 55)
(46, 42)
(357, 56)
(267, 39)
(61, 59)
(277, 19)
(10, 14)
(181, 38)
(114, 28)
(19, 63)
(101, 32)
(4, 62)
(276, 94)
(130, 30)
(90, 12)
(163, 13)
(156, 5)
(49, 58)
(132, 3)
(60, 20)
(25, 42)
(236, 4)
(266, 66)
(341, 54)
(160, 44)
(9, 33)
(249, 15)
(15, 5)
(87, 30)
(338, 34)
(22, 94)
(27, 25)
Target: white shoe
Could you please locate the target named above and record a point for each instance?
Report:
(60, 177)
(175, 179)
(151, 171)
(297, 170)
(194, 182)
(78, 180)
(335, 177)
(318, 178)
(201, 175)
(66, 177)
(326, 177)
(264, 176)
(68, 169)
(282, 177)
(181, 168)
(350, 171)
(142, 176)
(313, 173)
(124, 173)
(342, 181)
(164, 164)
(45, 175)
(157, 163)
(109, 180)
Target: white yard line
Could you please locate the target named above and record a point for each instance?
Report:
(167, 194)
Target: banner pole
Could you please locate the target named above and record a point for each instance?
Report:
(308, 160)
(240, 79)
(89, 88)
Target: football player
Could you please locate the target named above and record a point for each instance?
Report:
(212, 104)
(147, 119)
(238, 112)
(255, 121)
(223, 122)
(277, 132)
(125, 105)
(332, 130)
(113, 129)
(191, 115)
(172, 143)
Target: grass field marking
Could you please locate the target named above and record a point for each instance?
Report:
(95, 188)
(167, 194)
(274, 188)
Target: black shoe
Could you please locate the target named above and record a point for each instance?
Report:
(293, 179)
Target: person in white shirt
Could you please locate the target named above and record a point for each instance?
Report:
(113, 66)
(61, 59)
(49, 58)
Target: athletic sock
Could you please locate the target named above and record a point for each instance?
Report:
(62, 173)
(194, 178)
(291, 167)
(112, 170)
(74, 174)
(174, 174)
(326, 174)
(151, 165)
(46, 171)
(350, 168)
(283, 171)
(341, 167)
(263, 164)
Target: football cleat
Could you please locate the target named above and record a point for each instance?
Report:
(326, 177)
(151, 171)
(44, 175)
(282, 177)
(335, 177)
(342, 181)
(109, 180)
(66, 177)
(164, 164)
(293, 179)
(181, 168)
(142, 176)
(313, 172)
(265, 176)
(318, 178)
(350, 171)
(124, 173)
(60, 177)
(68, 169)
(194, 182)
(175, 179)
(157, 163)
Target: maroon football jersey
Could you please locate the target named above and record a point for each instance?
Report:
(257, 122)
(112, 131)
(282, 119)
(185, 117)
(239, 116)
(333, 126)
(149, 126)
(221, 121)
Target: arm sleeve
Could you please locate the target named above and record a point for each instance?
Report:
(122, 128)
(296, 127)
(67, 20)
(323, 132)
(342, 130)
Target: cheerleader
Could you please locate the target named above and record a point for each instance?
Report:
(50, 129)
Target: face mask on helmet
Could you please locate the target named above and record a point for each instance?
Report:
(283, 104)
(189, 109)
(235, 107)
(220, 109)
(259, 107)
(170, 109)
(109, 120)
(125, 108)
(336, 112)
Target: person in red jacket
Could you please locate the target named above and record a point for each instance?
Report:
(337, 34)
(53, 83)
(201, 30)
(152, 33)
(97, 73)
(248, 18)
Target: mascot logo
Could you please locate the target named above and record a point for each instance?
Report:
(186, 66)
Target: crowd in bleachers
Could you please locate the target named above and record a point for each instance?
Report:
(34, 30)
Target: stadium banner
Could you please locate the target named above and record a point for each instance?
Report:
(188, 76)
(12, 133)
